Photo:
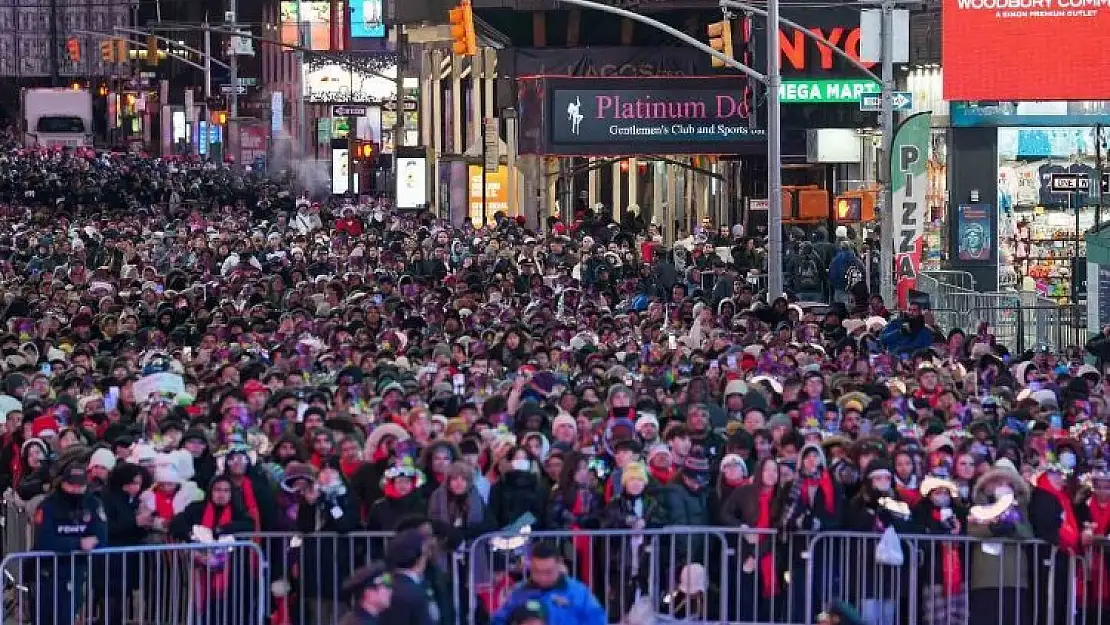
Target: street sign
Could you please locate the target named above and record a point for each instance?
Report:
(870, 102)
(228, 89)
(1069, 183)
(837, 91)
(189, 106)
(899, 101)
(490, 148)
(346, 110)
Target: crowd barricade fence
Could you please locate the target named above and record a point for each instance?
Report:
(682, 574)
(307, 571)
(945, 278)
(221, 583)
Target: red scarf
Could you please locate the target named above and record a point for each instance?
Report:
(662, 476)
(951, 568)
(317, 461)
(1100, 576)
(213, 581)
(1069, 528)
(767, 577)
(163, 504)
(249, 500)
(737, 483)
(824, 483)
(349, 467)
(582, 543)
(909, 495)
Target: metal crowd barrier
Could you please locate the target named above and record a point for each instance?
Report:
(731, 575)
(307, 571)
(683, 574)
(178, 584)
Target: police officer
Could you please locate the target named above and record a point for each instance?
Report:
(371, 590)
(69, 520)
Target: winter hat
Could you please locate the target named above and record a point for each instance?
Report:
(103, 458)
(734, 460)
(297, 471)
(34, 442)
(736, 387)
(617, 388)
(656, 450)
(647, 419)
(564, 419)
(167, 474)
(813, 448)
(633, 471)
(878, 468)
(696, 466)
(44, 426)
(182, 461)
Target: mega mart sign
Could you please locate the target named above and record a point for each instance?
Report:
(843, 91)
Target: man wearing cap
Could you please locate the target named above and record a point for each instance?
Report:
(68, 520)
(371, 590)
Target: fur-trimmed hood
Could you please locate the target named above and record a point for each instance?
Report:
(980, 495)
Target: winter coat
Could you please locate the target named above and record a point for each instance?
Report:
(1000, 565)
(123, 530)
(388, 512)
(561, 515)
(865, 514)
(569, 602)
(327, 561)
(516, 493)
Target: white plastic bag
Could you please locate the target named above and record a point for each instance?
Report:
(889, 549)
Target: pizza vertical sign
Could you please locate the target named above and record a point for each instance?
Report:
(908, 155)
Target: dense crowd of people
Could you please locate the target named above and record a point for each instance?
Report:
(185, 346)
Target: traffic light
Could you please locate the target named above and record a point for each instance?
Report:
(151, 50)
(114, 50)
(73, 49)
(849, 208)
(720, 39)
(364, 150)
(462, 30)
(218, 117)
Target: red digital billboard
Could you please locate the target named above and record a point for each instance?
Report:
(1026, 49)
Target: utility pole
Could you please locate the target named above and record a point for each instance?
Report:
(1097, 184)
(886, 225)
(775, 251)
(207, 87)
(399, 88)
(231, 141)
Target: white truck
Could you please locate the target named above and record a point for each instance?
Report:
(57, 117)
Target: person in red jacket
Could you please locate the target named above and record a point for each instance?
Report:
(349, 223)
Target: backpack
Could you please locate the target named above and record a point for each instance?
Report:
(809, 273)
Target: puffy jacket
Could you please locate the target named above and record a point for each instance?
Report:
(516, 493)
(898, 338)
(569, 602)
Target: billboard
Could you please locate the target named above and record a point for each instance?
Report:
(314, 17)
(702, 115)
(412, 189)
(366, 19)
(1020, 49)
(497, 193)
